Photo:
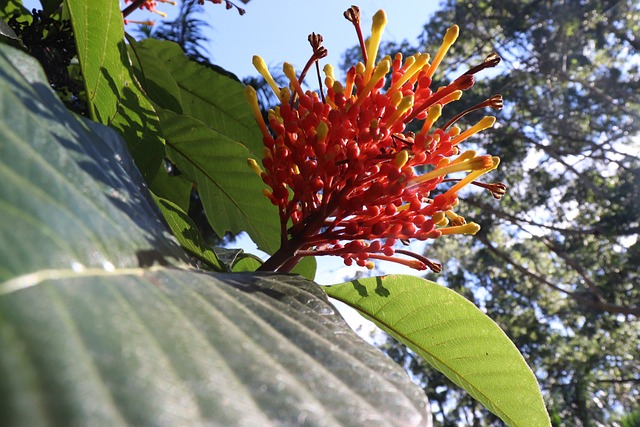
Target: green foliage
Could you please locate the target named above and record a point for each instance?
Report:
(456, 338)
(209, 134)
(113, 97)
(228, 187)
(104, 322)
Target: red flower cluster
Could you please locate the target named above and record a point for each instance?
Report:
(342, 169)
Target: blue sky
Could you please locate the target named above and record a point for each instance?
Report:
(278, 30)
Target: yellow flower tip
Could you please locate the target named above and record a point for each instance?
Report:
(251, 94)
(449, 38)
(259, 64)
(445, 161)
(285, 95)
(433, 114)
(370, 265)
(454, 96)
(322, 131)
(337, 87)
(252, 98)
(496, 162)
(381, 69)
(262, 68)
(267, 193)
(454, 131)
(328, 71)
(289, 71)
(255, 167)
(396, 98)
(486, 122)
(406, 103)
(373, 43)
(403, 106)
(379, 21)
(467, 155)
(481, 163)
(470, 228)
(402, 157)
(440, 219)
(451, 35)
(473, 228)
(328, 82)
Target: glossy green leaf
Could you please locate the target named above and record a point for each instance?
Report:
(187, 233)
(161, 346)
(231, 192)
(104, 323)
(197, 90)
(113, 95)
(99, 34)
(455, 337)
(152, 70)
(306, 268)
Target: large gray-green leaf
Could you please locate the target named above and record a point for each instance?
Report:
(102, 322)
(70, 192)
(163, 346)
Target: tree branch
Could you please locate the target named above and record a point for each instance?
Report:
(578, 297)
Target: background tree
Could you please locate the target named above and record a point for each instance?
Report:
(556, 262)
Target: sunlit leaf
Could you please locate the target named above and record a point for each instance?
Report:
(186, 87)
(231, 192)
(455, 337)
(113, 95)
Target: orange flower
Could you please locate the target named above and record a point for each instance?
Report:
(342, 169)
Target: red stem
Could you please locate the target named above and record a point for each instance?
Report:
(133, 6)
